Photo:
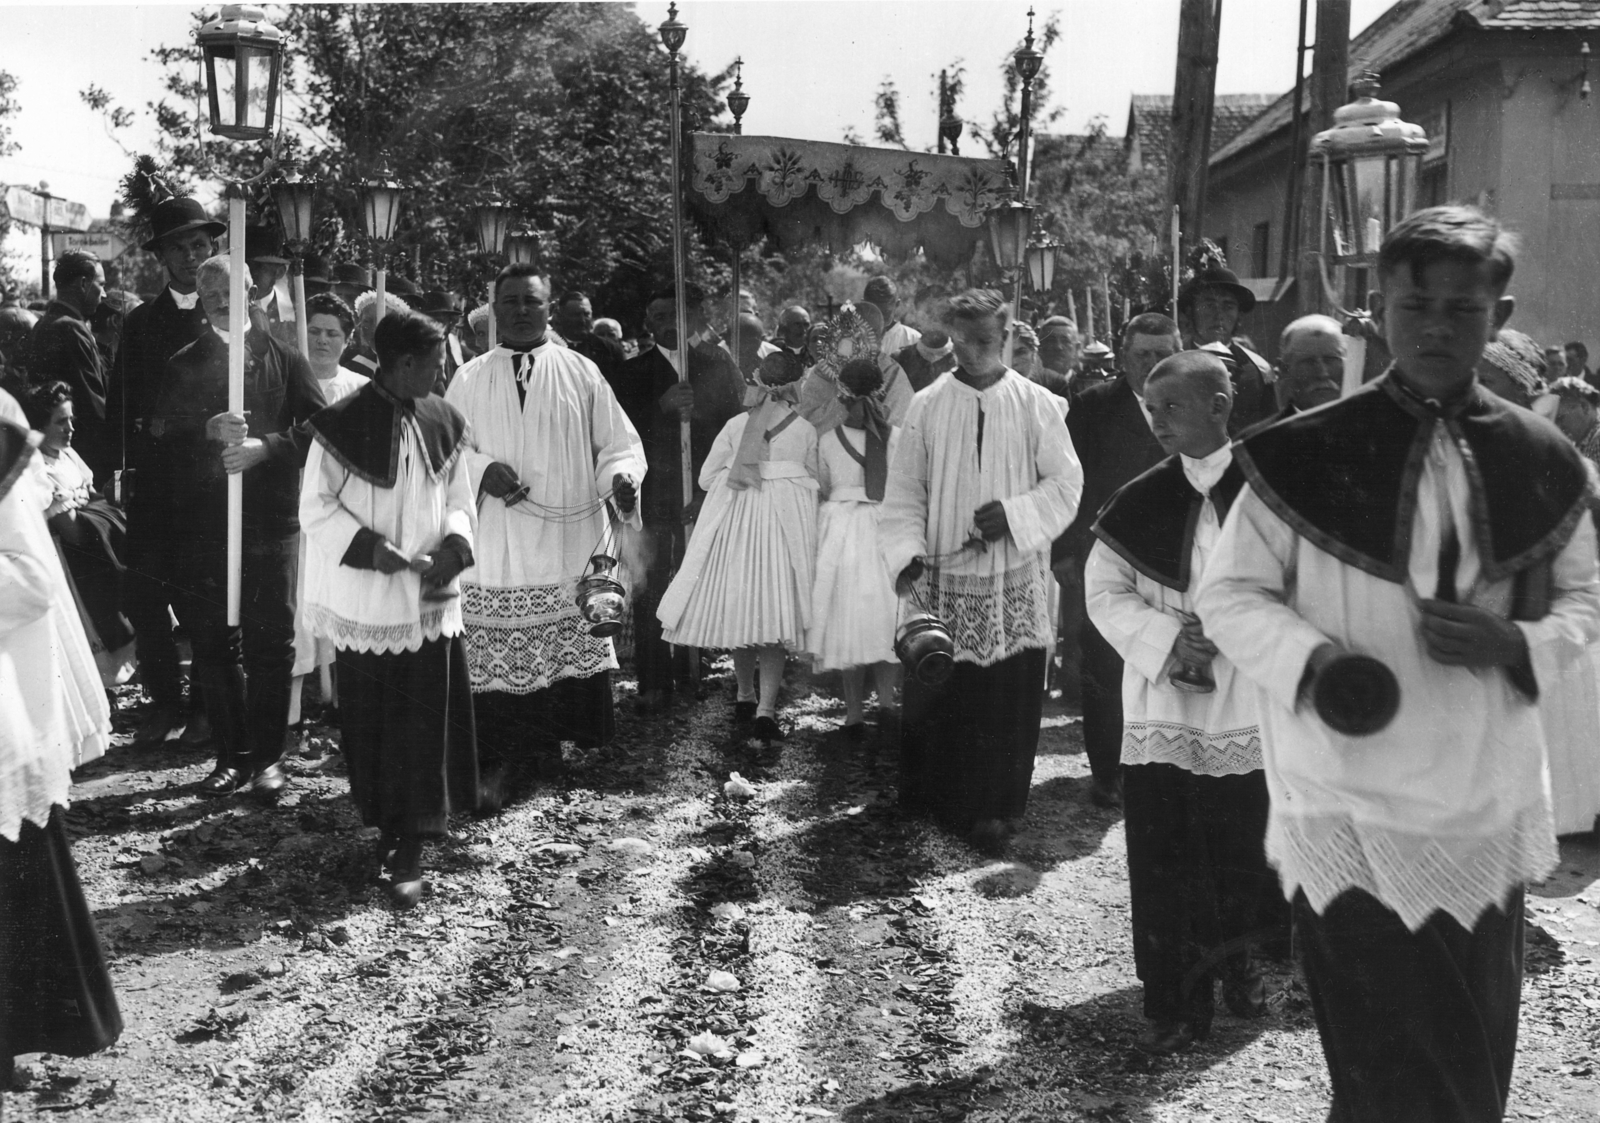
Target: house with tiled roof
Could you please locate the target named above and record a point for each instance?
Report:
(1501, 88)
(1150, 125)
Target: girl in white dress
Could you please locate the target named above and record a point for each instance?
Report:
(854, 609)
(746, 579)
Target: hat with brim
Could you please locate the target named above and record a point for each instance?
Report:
(179, 215)
(401, 286)
(436, 302)
(316, 269)
(1218, 278)
(263, 246)
(352, 274)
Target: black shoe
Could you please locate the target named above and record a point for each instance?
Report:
(1166, 1037)
(652, 702)
(855, 733)
(405, 881)
(224, 780)
(766, 729)
(988, 837)
(157, 725)
(268, 784)
(1246, 995)
(1107, 794)
(744, 713)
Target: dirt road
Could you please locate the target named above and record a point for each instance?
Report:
(637, 946)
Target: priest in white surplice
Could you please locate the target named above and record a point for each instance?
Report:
(549, 444)
(983, 480)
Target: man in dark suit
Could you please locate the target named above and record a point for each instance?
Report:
(574, 320)
(1112, 435)
(1210, 305)
(655, 400)
(183, 237)
(64, 350)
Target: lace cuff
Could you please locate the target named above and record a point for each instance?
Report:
(1415, 875)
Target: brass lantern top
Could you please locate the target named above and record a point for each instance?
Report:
(1369, 127)
(237, 24)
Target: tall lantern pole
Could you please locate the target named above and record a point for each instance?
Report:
(493, 218)
(1028, 63)
(380, 209)
(242, 56)
(673, 33)
(738, 102)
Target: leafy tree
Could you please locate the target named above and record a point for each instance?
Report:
(886, 121)
(562, 108)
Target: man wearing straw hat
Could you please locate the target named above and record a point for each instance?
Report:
(556, 464)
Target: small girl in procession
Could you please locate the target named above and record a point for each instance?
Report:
(745, 583)
(853, 603)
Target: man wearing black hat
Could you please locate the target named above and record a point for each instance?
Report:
(63, 349)
(182, 235)
(444, 309)
(1209, 307)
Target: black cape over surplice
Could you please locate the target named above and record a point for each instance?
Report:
(1344, 477)
(362, 432)
(1150, 520)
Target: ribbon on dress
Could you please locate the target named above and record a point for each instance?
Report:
(866, 413)
(771, 416)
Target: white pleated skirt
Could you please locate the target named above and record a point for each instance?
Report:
(854, 611)
(1570, 710)
(746, 576)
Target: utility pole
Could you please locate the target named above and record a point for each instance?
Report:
(1330, 83)
(1193, 92)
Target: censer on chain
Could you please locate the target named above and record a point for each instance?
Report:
(601, 597)
(1356, 695)
(923, 645)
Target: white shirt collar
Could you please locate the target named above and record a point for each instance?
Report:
(671, 356)
(1205, 472)
(185, 300)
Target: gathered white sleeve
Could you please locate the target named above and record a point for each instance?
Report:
(1242, 600)
(1141, 633)
(903, 521)
(456, 395)
(616, 446)
(461, 504)
(1573, 622)
(1038, 517)
(323, 516)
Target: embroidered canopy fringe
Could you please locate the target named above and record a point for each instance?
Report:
(799, 191)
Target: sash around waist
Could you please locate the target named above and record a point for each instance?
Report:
(787, 470)
(855, 494)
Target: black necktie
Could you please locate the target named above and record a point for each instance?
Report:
(1449, 559)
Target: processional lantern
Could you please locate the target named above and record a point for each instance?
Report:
(380, 206)
(522, 248)
(1010, 225)
(243, 59)
(493, 217)
(294, 197)
(1042, 265)
(1370, 161)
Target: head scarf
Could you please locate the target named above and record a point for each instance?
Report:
(778, 380)
(864, 411)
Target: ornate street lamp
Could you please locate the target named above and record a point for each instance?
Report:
(294, 198)
(1011, 223)
(738, 100)
(1370, 162)
(380, 210)
(242, 58)
(493, 218)
(1028, 63)
(673, 33)
(1042, 265)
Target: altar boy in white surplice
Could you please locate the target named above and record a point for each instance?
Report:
(549, 447)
